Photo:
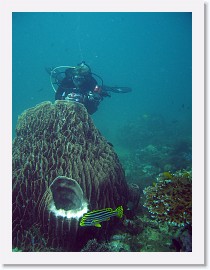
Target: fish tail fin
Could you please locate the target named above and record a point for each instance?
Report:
(119, 211)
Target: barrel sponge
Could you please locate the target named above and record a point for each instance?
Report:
(56, 145)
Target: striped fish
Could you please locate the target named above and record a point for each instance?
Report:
(95, 217)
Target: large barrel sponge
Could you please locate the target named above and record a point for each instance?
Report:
(57, 148)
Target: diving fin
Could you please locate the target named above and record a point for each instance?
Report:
(116, 89)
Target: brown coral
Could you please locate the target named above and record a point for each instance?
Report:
(56, 140)
(170, 200)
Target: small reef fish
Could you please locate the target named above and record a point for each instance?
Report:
(94, 217)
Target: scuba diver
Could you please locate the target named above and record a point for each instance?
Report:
(77, 84)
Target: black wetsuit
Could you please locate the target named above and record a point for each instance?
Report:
(85, 93)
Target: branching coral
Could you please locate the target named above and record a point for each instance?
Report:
(170, 198)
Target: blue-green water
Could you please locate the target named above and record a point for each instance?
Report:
(150, 128)
(149, 52)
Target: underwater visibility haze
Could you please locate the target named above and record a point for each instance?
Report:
(126, 170)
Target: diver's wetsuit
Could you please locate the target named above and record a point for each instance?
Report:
(85, 94)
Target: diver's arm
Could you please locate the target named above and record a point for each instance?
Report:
(61, 89)
(65, 85)
(91, 83)
(58, 94)
(96, 89)
(104, 93)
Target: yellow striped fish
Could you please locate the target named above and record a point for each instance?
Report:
(95, 217)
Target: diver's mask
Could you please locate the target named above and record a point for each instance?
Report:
(81, 72)
(78, 80)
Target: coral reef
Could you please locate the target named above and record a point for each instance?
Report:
(133, 226)
(170, 198)
(155, 236)
(149, 144)
(120, 243)
(183, 239)
(123, 242)
(94, 246)
(144, 234)
(58, 154)
(154, 240)
(16, 250)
